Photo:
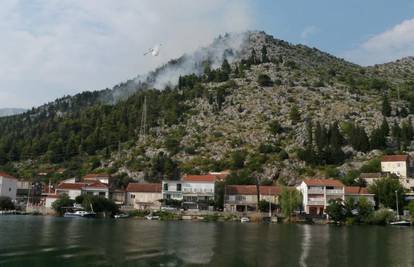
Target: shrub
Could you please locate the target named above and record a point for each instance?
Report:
(381, 217)
(6, 203)
(264, 80)
(59, 204)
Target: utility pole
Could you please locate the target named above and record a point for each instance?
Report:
(398, 211)
(143, 128)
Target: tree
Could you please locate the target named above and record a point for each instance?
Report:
(385, 192)
(265, 59)
(238, 158)
(386, 108)
(384, 127)
(290, 201)
(336, 210)
(294, 114)
(6, 203)
(264, 80)
(62, 202)
(410, 207)
(275, 127)
(377, 139)
(364, 209)
(99, 204)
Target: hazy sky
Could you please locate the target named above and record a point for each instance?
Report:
(50, 48)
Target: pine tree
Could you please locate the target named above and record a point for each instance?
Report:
(386, 108)
(265, 59)
(384, 127)
(294, 114)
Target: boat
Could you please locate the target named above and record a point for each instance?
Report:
(80, 214)
(401, 223)
(152, 217)
(121, 216)
(244, 219)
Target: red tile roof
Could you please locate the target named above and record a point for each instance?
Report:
(97, 185)
(200, 178)
(323, 182)
(241, 190)
(96, 176)
(252, 190)
(394, 158)
(356, 190)
(146, 188)
(71, 186)
(6, 175)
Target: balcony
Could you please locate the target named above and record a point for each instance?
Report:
(315, 191)
(334, 192)
(316, 201)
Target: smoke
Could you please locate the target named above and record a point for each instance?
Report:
(229, 46)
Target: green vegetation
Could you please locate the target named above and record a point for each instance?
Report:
(6, 203)
(350, 211)
(290, 201)
(63, 202)
(385, 191)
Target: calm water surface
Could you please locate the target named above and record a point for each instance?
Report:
(47, 241)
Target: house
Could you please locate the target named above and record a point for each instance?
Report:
(357, 193)
(72, 190)
(76, 189)
(242, 198)
(144, 196)
(96, 189)
(95, 177)
(396, 164)
(220, 176)
(370, 178)
(8, 186)
(195, 191)
(317, 193)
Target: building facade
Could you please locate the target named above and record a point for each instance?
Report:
(144, 196)
(356, 193)
(243, 198)
(317, 193)
(8, 186)
(73, 190)
(396, 164)
(195, 191)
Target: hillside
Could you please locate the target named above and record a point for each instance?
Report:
(271, 110)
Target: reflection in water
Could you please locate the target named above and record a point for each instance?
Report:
(44, 241)
(196, 244)
(306, 244)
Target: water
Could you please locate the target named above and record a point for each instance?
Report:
(48, 241)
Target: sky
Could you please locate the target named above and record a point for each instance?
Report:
(52, 48)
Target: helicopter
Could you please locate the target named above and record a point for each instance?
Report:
(155, 51)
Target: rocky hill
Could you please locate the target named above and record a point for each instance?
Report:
(252, 113)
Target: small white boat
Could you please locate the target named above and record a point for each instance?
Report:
(244, 219)
(80, 214)
(121, 216)
(152, 217)
(401, 223)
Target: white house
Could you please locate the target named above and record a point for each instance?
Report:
(8, 186)
(76, 189)
(317, 193)
(196, 191)
(396, 164)
(144, 196)
(72, 190)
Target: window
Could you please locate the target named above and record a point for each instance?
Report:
(102, 194)
(9, 189)
(178, 187)
(132, 196)
(165, 187)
